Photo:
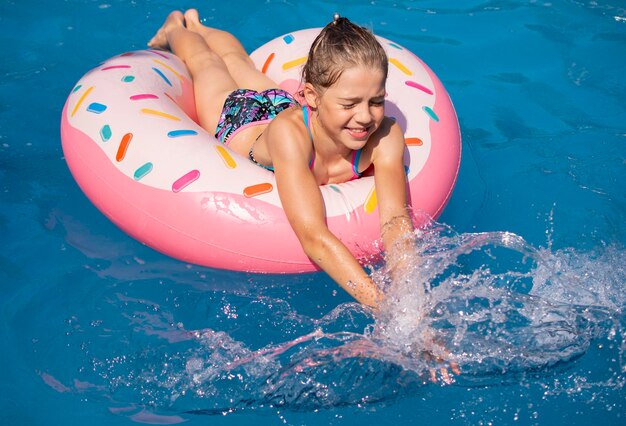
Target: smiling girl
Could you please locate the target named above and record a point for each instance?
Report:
(340, 133)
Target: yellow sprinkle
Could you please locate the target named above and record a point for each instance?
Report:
(400, 66)
(370, 201)
(81, 99)
(294, 63)
(228, 159)
(163, 64)
(160, 114)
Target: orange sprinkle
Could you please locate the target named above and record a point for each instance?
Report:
(294, 63)
(414, 142)
(254, 190)
(267, 62)
(81, 99)
(228, 159)
(370, 201)
(121, 150)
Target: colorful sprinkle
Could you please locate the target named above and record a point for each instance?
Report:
(114, 67)
(395, 46)
(228, 159)
(121, 150)
(173, 71)
(266, 65)
(159, 113)
(158, 71)
(142, 171)
(127, 54)
(185, 180)
(418, 86)
(105, 133)
(158, 53)
(77, 88)
(143, 96)
(288, 38)
(80, 100)
(370, 201)
(400, 66)
(414, 142)
(431, 113)
(259, 189)
(335, 188)
(179, 133)
(96, 108)
(294, 63)
(128, 78)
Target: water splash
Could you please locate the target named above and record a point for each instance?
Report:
(505, 311)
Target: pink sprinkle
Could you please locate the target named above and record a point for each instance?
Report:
(188, 178)
(143, 96)
(158, 53)
(418, 86)
(114, 67)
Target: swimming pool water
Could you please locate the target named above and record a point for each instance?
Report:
(525, 269)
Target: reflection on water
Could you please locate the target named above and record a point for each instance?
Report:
(505, 311)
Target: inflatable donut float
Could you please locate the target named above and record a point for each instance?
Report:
(132, 142)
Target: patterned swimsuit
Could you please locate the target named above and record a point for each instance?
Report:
(244, 108)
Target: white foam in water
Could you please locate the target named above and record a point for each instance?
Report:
(490, 302)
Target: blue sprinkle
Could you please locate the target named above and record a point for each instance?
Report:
(179, 133)
(395, 46)
(105, 133)
(407, 170)
(96, 108)
(334, 188)
(288, 38)
(128, 78)
(142, 171)
(431, 113)
(162, 75)
(77, 88)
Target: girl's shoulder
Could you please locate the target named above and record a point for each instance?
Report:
(289, 122)
(288, 134)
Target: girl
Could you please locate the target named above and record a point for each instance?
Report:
(340, 133)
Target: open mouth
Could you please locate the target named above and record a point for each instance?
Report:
(358, 132)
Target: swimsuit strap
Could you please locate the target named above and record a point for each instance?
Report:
(307, 124)
(356, 156)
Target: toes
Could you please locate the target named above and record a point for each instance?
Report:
(192, 15)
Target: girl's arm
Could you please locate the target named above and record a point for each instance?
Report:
(303, 204)
(391, 192)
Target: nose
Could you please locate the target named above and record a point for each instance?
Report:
(363, 114)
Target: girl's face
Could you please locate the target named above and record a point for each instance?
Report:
(352, 109)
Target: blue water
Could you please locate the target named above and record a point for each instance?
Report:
(521, 280)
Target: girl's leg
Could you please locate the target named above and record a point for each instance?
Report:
(211, 78)
(224, 44)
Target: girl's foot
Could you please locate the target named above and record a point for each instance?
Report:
(174, 20)
(192, 19)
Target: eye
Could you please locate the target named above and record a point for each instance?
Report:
(378, 102)
(347, 106)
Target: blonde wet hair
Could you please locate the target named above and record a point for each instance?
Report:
(339, 46)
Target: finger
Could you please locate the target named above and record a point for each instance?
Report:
(455, 368)
(433, 375)
(445, 376)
